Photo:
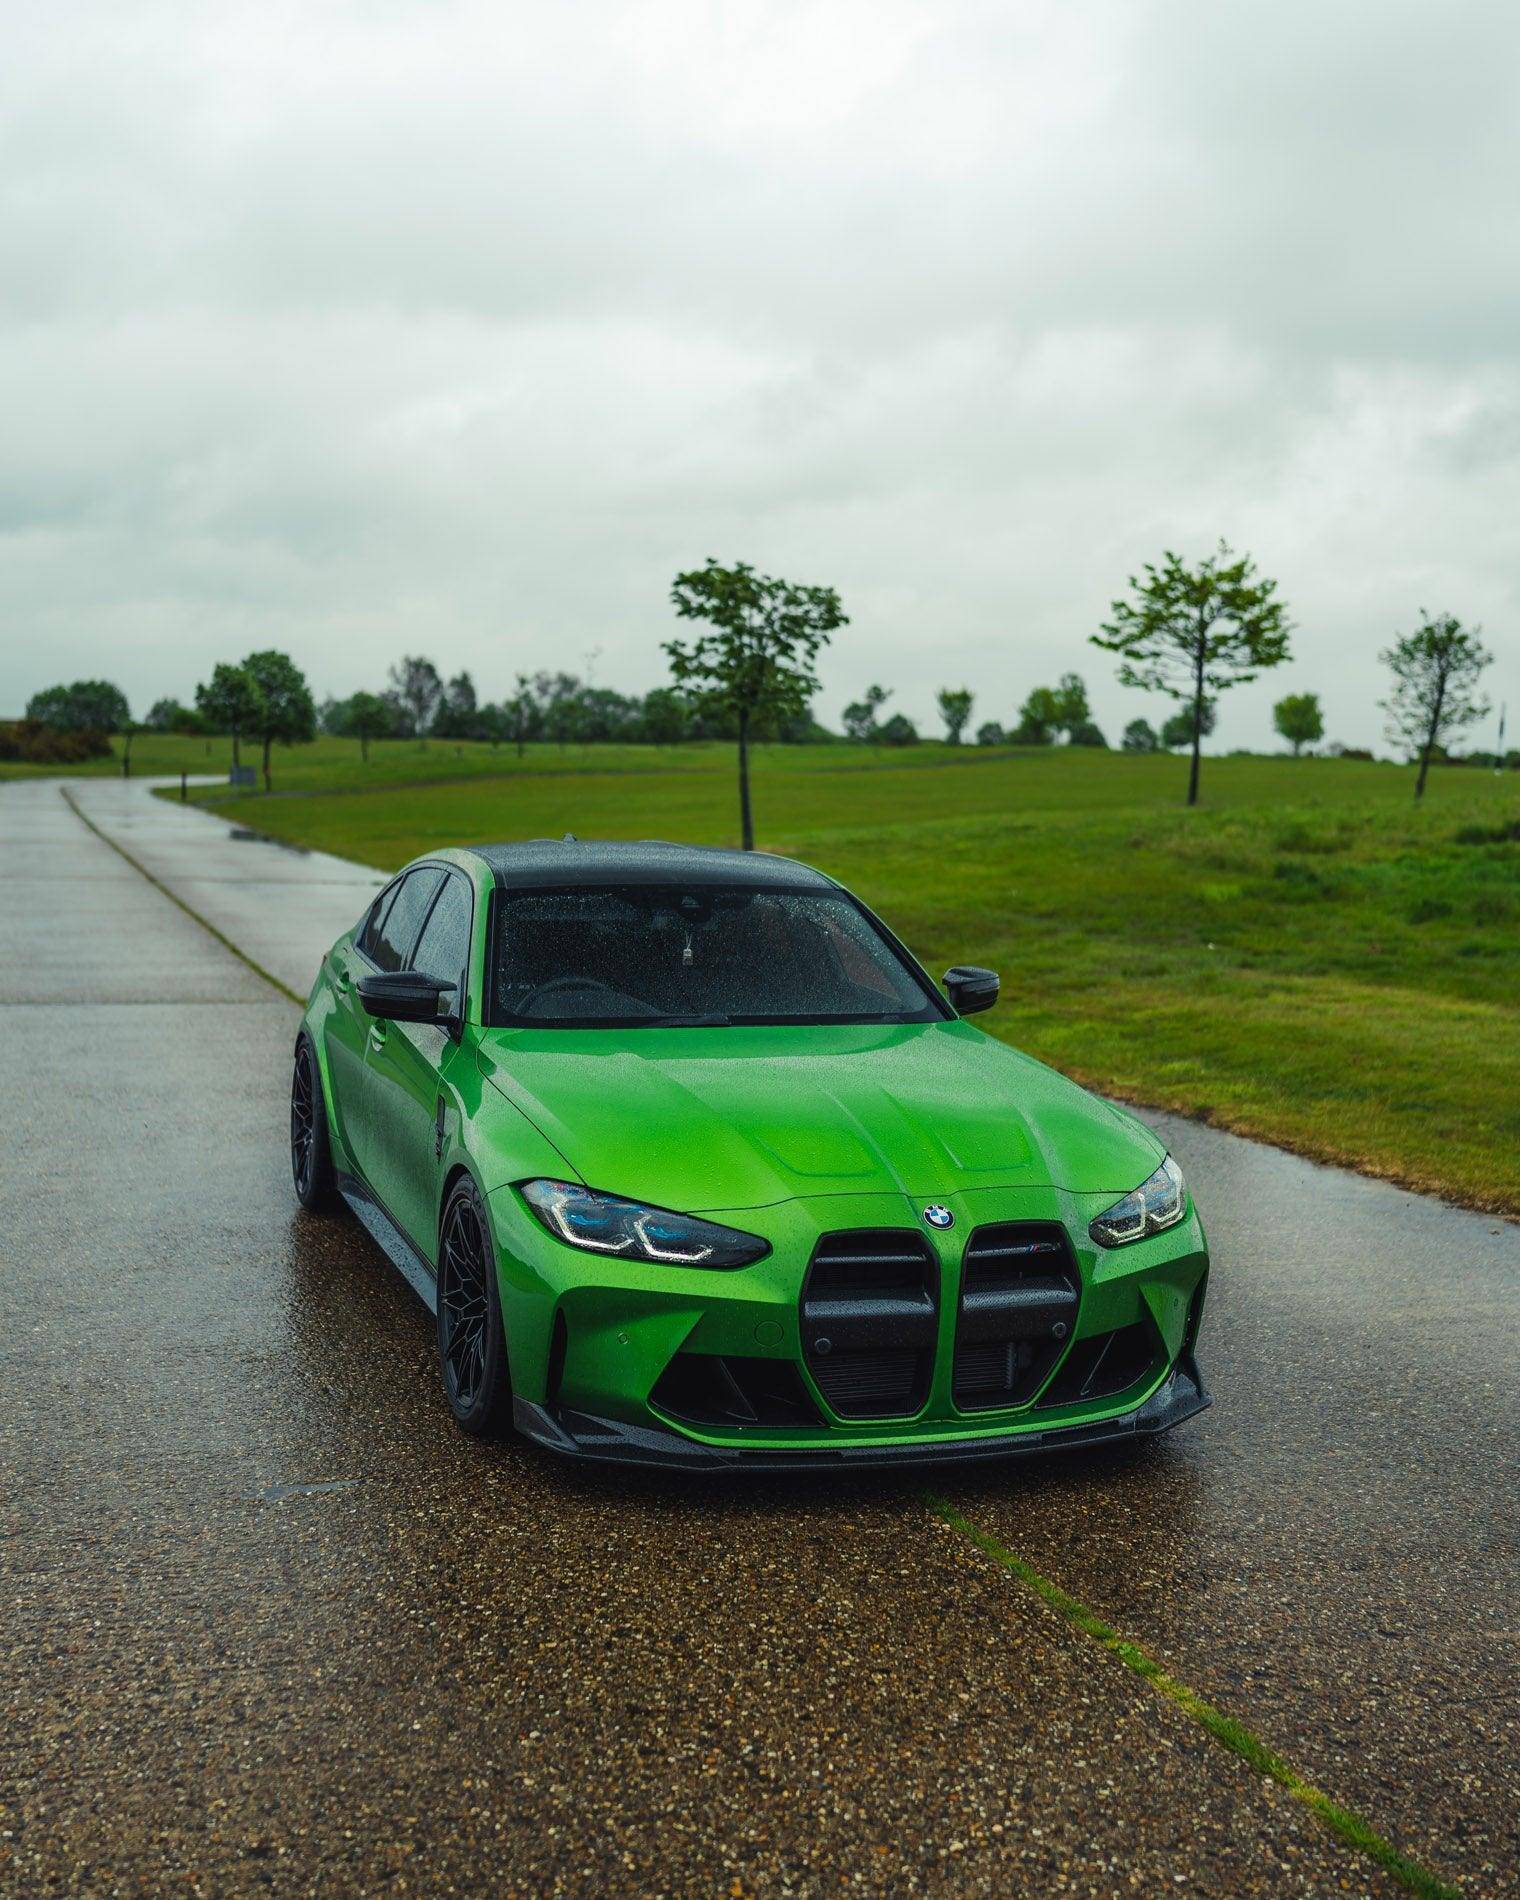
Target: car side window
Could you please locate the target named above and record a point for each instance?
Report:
(403, 919)
(443, 949)
(374, 917)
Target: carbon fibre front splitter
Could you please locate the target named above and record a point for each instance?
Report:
(580, 1435)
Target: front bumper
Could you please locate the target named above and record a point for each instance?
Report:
(593, 1340)
(579, 1435)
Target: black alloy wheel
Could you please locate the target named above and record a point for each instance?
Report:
(310, 1157)
(471, 1349)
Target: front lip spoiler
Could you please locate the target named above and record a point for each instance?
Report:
(604, 1440)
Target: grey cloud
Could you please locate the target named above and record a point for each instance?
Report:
(375, 326)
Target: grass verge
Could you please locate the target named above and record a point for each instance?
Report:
(1308, 958)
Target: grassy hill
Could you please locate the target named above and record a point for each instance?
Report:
(1307, 957)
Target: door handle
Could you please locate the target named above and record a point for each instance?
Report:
(377, 1035)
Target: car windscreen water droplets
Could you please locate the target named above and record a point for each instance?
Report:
(646, 955)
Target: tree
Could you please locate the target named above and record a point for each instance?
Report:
(955, 704)
(1086, 732)
(416, 690)
(1140, 736)
(898, 730)
(229, 702)
(1069, 707)
(1299, 720)
(1435, 694)
(168, 715)
(1052, 709)
(286, 710)
(455, 717)
(1177, 731)
(367, 717)
(520, 709)
(667, 716)
(860, 717)
(991, 734)
(86, 706)
(757, 662)
(558, 696)
(1039, 718)
(1187, 631)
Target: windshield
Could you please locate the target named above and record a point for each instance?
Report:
(639, 956)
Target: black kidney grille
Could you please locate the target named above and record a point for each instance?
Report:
(870, 1308)
(1020, 1291)
(871, 1384)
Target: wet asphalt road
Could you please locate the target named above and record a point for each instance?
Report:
(270, 1623)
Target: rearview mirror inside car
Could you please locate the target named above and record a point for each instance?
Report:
(407, 996)
(970, 988)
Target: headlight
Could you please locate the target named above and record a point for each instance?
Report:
(601, 1223)
(1156, 1204)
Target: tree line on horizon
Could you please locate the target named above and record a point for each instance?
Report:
(1188, 633)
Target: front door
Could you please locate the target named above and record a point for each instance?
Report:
(388, 947)
(407, 1088)
(347, 1027)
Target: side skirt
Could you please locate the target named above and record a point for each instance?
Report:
(389, 1238)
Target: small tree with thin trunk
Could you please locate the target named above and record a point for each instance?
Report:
(367, 717)
(1435, 694)
(520, 709)
(1188, 632)
(1069, 705)
(1299, 720)
(955, 703)
(756, 663)
(286, 710)
(229, 702)
(416, 689)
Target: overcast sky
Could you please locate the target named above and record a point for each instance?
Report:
(358, 327)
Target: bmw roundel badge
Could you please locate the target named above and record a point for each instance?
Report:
(938, 1216)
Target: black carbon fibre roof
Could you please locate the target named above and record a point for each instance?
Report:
(646, 861)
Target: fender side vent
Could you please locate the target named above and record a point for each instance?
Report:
(559, 1342)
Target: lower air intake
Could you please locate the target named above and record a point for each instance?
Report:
(707, 1388)
(1105, 1365)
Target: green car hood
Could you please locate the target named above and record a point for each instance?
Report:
(731, 1118)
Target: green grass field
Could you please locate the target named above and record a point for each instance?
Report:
(1307, 957)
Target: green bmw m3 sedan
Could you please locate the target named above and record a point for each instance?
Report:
(696, 1166)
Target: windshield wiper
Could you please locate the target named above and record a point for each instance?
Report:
(680, 1022)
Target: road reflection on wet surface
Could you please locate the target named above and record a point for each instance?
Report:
(272, 1621)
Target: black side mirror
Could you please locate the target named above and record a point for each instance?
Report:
(407, 996)
(970, 988)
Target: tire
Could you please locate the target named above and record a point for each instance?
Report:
(472, 1346)
(310, 1155)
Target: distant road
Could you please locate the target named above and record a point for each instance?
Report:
(271, 1622)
